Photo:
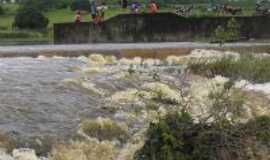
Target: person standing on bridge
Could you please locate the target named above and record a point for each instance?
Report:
(93, 10)
(78, 17)
(101, 13)
(135, 7)
(153, 7)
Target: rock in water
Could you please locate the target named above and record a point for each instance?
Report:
(24, 154)
(5, 156)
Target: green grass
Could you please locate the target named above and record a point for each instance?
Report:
(10, 9)
(6, 22)
(247, 67)
(23, 37)
(63, 15)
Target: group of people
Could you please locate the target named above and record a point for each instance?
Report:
(98, 11)
(152, 6)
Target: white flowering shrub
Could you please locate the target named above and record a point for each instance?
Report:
(162, 92)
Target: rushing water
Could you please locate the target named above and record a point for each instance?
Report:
(37, 106)
(33, 99)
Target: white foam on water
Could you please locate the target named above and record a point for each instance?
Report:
(264, 88)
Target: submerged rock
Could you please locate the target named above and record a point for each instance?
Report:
(24, 154)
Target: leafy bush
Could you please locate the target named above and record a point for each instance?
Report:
(80, 5)
(233, 28)
(220, 35)
(59, 4)
(30, 18)
(230, 33)
(45, 5)
(177, 137)
(165, 140)
(260, 128)
(247, 67)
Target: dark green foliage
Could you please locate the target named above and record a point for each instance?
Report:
(80, 5)
(177, 137)
(220, 35)
(166, 139)
(233, 29)
(230, 33)
(61, 4)
(45, 5)
(260, 127)
(1, 10)
(30, 18)
(247, 67)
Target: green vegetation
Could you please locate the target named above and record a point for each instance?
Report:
(226, 105)
(247, 67)
(229, 34)
(1, 10)
(178, 137)
(45, 5)
(103, 129)
(80, 5)
(260, 128)
(20, 34)
(233, 28)
(30, 18)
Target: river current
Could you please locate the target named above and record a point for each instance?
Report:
(33, 99)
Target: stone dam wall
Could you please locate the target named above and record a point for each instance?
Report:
(162, 27)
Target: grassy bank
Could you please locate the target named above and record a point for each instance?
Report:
(247, 67)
